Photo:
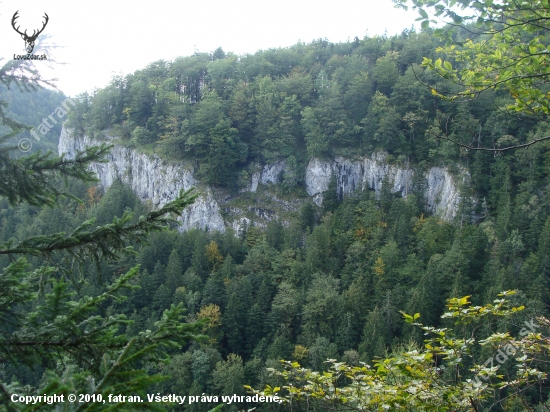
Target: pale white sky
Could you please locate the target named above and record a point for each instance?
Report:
(100, 38)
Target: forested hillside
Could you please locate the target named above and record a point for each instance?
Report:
(331, 281)
(31, 109)
(225, 112)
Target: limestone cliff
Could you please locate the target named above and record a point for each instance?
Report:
(152, 180)
(439, 189)
(156, 181)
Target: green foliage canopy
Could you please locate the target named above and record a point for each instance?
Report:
(501, 46)
(442, 375)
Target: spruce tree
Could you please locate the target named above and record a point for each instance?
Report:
(330, 196)
(64, 337)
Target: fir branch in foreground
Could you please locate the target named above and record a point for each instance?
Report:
(107, 241)
(61, 329)
(30, 179)
(62, 324)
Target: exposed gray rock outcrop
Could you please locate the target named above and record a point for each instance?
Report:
(441, 193)
(152, 180)
(156, 182)
(442, 196)
(270, 173)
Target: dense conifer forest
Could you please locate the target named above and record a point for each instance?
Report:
(333, 281)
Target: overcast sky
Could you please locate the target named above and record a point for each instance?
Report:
(100, 38)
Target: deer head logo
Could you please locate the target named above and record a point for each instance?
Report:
(29, 40)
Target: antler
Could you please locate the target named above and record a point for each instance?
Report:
(34, 36)
(34, 33)
(15, 16)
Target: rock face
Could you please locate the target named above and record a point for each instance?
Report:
(151, 179)
(156, 182)
(270, 173)
(441, 193)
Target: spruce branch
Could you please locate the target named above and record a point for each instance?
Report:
(108, 241)
(31, 179)
(61, 325)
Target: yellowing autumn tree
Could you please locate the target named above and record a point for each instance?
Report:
(213, 255)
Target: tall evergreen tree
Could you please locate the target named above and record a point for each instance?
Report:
(43, 319)
(174, 271)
